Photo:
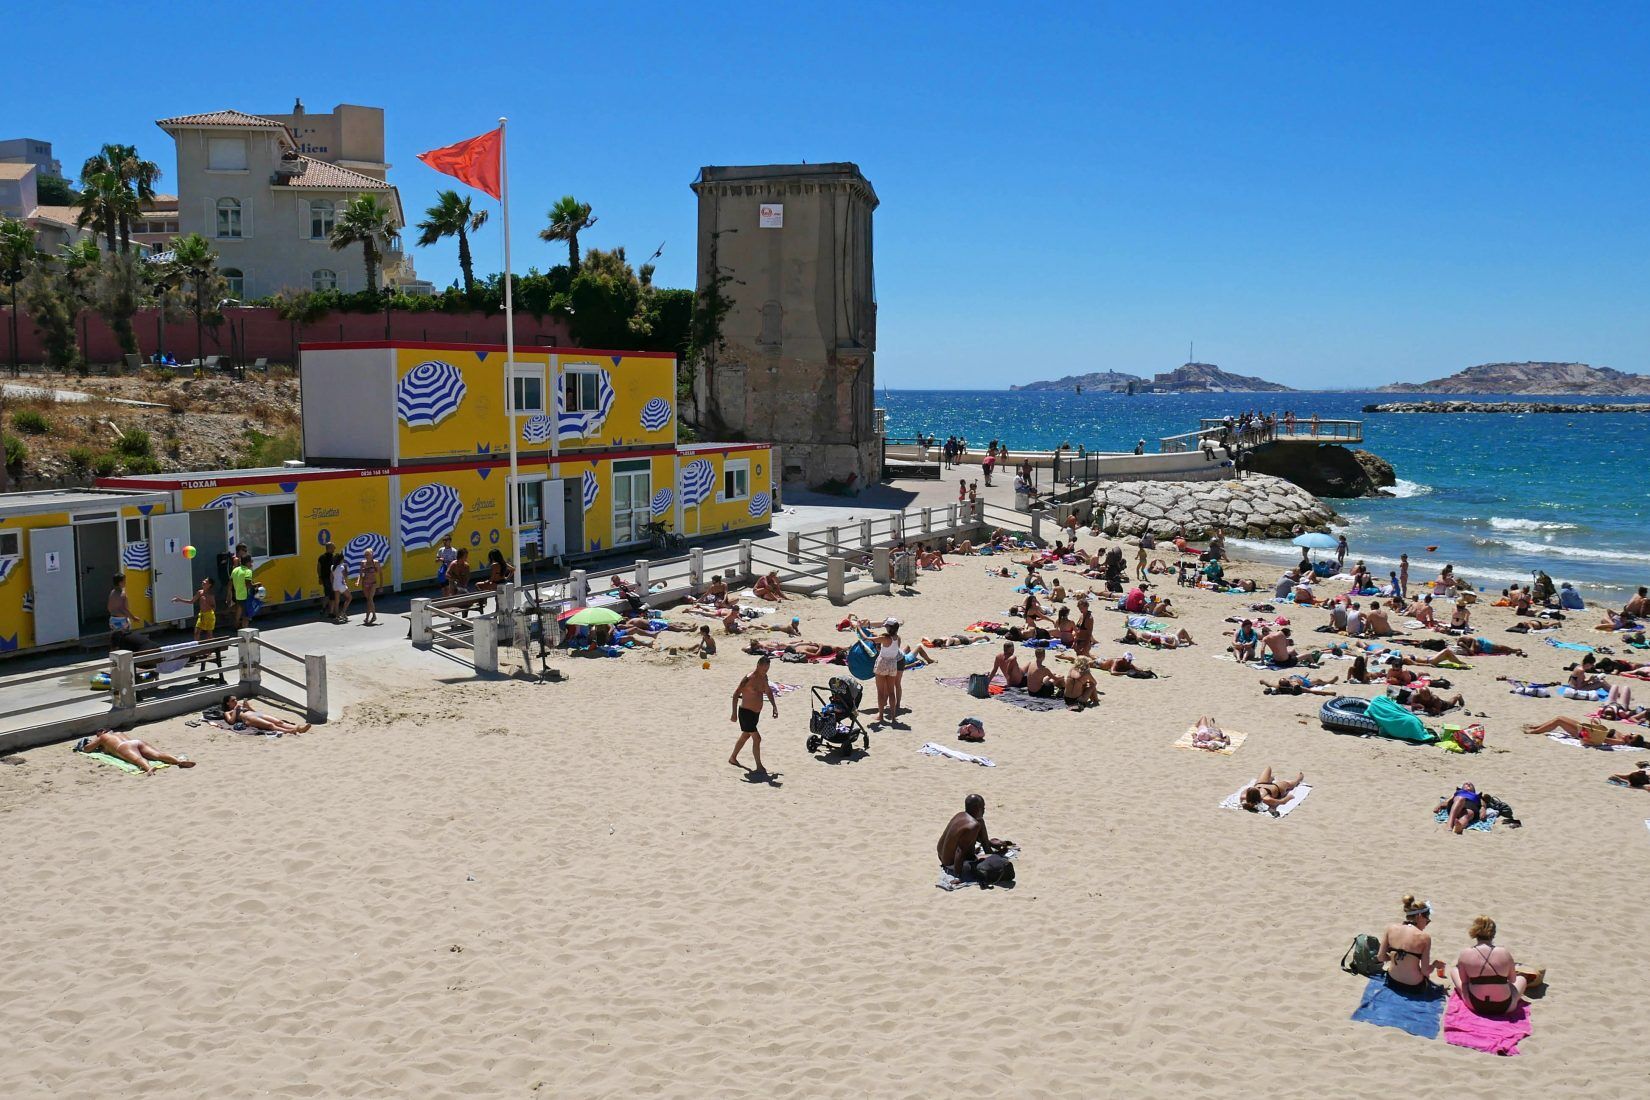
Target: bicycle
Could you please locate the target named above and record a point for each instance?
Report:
(664, 538)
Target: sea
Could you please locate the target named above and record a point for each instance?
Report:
(1499, 495)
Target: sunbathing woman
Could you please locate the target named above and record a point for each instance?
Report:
(1268, 793)
(1589, 732)
(1207, 734)
(1299, 685)
(1485, 976)
(1121, 666)
(1161, 638)
(1407, 948)
(1612, 621)
(1080, 690)
(1433, 704)
(1464, 807)
(133, 750)
(1359, 673)
(236, 711)
(1639, 778)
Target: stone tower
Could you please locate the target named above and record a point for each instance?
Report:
(787, 248)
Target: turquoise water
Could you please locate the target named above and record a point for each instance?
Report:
(1498, 495)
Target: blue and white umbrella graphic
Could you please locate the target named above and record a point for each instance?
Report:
(355, 551)
(430, 392)
(662, 501)
(427, 513)
(591, 488)
(537, 429)
(227, 503)
(576, 425)
(28, 602)
(7, 565)
(655, 414)
(759, 505)
(697, 478)
(135, 556)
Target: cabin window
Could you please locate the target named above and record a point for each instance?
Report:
(320, 219)
(134, 530)
(9, 545)
(580, 389)
(229, 217)
(736, 480)
(269, 530)
(226, 154)
(528, 391)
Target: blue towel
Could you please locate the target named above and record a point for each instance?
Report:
(1483, 826)
(1577, 646)
(1419, 1013)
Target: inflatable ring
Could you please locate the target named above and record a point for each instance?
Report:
(100, 681)
(1345, 714)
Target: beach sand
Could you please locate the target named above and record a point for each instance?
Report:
(512, 889)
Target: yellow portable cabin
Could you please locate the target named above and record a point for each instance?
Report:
(404, 443)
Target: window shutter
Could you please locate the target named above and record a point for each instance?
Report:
(246, 217)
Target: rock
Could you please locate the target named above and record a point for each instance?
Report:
(1258, 506)
(1380, 471)
(1326, 470)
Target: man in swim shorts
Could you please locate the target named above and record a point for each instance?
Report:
(966, 838)
(1013, 672)
(747, 711)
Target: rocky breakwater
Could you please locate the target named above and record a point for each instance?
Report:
(1258, 506)
(1325, 470)
(1516, 407)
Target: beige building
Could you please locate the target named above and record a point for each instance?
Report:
(268, 208)
(54, 226)
(788, 247)
(31, 151)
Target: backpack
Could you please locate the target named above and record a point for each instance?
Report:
(994, 871)
(1363, 956)
(1508, 818)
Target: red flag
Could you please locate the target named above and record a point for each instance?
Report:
(475, 161)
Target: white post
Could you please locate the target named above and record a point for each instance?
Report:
(509, 347)
(419, 616)
(246, 647)
(793, 547)
(896, 527)
(641, 577)
(315, 686)
(928, 521)
(123, 681)
(746, 568)
(696, 569)
(865, 534)
(485, 637)
(505, 601)
(1037, 527)
(831, 537)
(836, 576)
(880, 571)
(578, 587)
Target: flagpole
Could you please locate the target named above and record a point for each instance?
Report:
(509, 349)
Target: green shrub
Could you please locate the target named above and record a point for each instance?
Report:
(143, 464)
(80, 460)
(16, 454)
(269, 450)
(105, 465)
(165, 374)
(30, 421)
(134, 443)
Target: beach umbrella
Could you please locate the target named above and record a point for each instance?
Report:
(1315, 540)
(595, 616)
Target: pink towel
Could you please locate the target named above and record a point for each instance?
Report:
(1465, 1028)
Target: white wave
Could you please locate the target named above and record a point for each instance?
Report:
(1420, 569)
(1501, 524)
(1404, 487)
(1539, 549)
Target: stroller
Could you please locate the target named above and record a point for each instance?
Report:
(835, 717)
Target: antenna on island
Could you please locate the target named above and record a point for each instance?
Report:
(1190, 357)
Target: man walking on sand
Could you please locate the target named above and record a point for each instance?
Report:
(747, 711)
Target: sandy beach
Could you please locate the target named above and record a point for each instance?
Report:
(515, 889)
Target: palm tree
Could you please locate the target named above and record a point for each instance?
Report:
(100, 201)
(567, 218)
(18, 256)
(118, 182)
(369, 223)
(451, 216)
(197, 265)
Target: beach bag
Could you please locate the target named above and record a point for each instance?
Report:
(1363, 957)
(994, 871)
(1504, 809)
(979, 685)
(971, 729)
(1471, 739)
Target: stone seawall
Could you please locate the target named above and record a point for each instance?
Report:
(1258, 506)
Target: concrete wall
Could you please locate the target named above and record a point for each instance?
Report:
(799, 339)
(348, 135)
(259, 333)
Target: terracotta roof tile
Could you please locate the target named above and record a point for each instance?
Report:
(11, 171)
(60, 215)
(222, 118)
(319, 174)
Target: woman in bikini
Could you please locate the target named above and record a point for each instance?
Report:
(1464, 808)
(1269, 793)
(1299, 684)
(1485, 976)
(1588, 732)
(370, 573)
(1080, 690)
(1407, 948)
(130, 749)
(237, 712)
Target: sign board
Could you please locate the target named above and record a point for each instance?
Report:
(771, 215)
(53, 561)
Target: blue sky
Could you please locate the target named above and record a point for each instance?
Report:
(1314, 194)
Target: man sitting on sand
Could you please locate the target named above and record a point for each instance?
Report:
(130, 749)
(1268, 793)
(238, 712)
(1279, 650)
(1041, 680)
(1639, 606)
(1011, 670)
(965, 839)
(1376, 623)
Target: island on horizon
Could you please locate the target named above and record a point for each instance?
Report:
(1574, 379)
(1186, 378)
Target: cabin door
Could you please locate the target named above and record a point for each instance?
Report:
(52, 572)
(553, 510)
(173, 573)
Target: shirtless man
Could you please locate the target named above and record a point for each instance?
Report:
(239, 712)
(130, 749)
(965, 837)
(1421, 612)
(1376, 623)
(1013, 672)
(747, 711)
(1040, 679)
(1639, 606)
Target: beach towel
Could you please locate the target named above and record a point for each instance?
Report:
(1483, 826)
(1591, 695)
(1577, 646)
(929, 748)
(1018, 697)
(782, 690)
(952, 681)
(124, 765)
(1465, 1028)
(1419, 1012)
(1578, 743)
(1236, 738)
(1234, 801)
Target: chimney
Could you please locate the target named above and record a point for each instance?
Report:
(297, 106)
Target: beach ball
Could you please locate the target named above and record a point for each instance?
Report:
(189, 552)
